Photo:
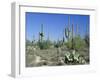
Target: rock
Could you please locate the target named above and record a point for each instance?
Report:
(61, 61)
(81, 60)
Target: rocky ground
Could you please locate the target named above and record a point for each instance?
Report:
(56, 57)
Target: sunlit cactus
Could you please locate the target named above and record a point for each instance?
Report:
(33, 41)
(67, 33)
(77, 30)
(41, 34)
(87, 35)
(72, 36)
(67, 30)
(63, 38)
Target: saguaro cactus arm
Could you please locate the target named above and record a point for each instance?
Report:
(67, 33)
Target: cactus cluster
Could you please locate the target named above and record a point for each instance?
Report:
(72, 36)
(70, 33)
(68, 30)
(71, 49)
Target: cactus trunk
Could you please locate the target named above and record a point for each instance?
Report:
(72, 37)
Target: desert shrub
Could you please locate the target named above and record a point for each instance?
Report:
(77, 44)
(69, 44)
(87, 40)
(58, 44)
(28, 43)
(45, 44)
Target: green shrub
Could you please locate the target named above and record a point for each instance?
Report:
(28, 43)
(69, 44)
(78, 43)
(87, 40)
(45, 44)
(58, 44)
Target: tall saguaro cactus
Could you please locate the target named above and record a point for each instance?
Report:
(48, 37)
(41, 34)
(63, 38)
(67, 33)
(67, 30)
(69, 22)
(87, 35)
(76, 29)
(72, 37)
(87, 29)
(33, 41)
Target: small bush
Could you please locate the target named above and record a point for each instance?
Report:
(58, 44)
(77, 44)
(45, 44)
(87, 40)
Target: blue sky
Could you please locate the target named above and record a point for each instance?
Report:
(53, 24)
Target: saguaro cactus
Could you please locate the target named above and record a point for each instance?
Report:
(72, 36)
(33, 41)
(76, 29)
(87, 29)
(63, 38)
(87, 35)
(67, 33)
(41, 34)
(67, 30)
(48, 37)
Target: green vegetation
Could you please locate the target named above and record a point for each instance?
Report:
(44, 44)
(77, 44)
(72, 49)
